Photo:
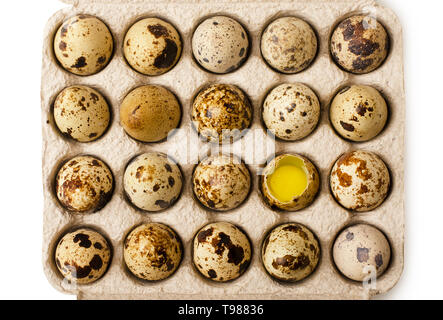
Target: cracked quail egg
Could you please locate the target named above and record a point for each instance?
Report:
(84, 184)
(81, 113)
(289, 182)
(220, 44)
(152, 251)
(360, 181)
(290, 252)
(82, 256)
(152, 182)
(221, 251)
(221, 182)
(361, 252)
(221, 113)
(291, 111)
(152, 46)
(289, 45)
(360, 44)
(149, 113)
(358, 113)
(83, 45)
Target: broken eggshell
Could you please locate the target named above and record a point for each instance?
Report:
(306, 196)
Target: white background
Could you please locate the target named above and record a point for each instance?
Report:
(21, 201)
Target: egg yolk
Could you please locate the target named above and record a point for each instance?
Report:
(289, 180)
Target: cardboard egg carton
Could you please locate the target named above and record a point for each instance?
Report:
(324, 217)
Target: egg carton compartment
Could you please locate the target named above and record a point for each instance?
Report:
(325, 217)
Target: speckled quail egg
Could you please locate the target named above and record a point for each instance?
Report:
(290, 252)
(149, 113)
(359, 44)
(152, 46)
(220, 44)
(360, 181)
(289, 182)
(289, 45)
(358, 113)
(153, 251)
(81, 113)
(152, 182)
(361, 252)
(83, 45)
(291, 111)
(221, 113)
(221, 182)
(84, 184)
(221, 251)
(82, 256)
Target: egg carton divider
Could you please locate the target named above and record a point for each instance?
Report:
(324, 217)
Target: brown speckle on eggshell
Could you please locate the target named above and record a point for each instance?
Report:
(152, 182)
(358, 113)
(152, 251)
(289, 45)
(221, 182)
(82, 256)
(84, 184)
(83, 45)
(361, 252)
(81, 113)
(360, 181)
(221, 113)
(359, 44)
(290, 252)
(220, 44)
(291, 111)
(221, 251)
(152, 46)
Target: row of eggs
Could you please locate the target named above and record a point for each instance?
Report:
(221, 113)
(153, 182)
(84, 45)
(222, 252)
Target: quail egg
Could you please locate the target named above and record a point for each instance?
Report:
(84, 184)
(149, 113)
(358, 113)
(152, 46)
(220, 44)
(360, 181)
(291, 111)
(221, 113)
(152, 182)
(289, 182)
(289, 45)
(152, 251)
(359, 44)
(361, 252)
(290, 252)
(221, 251)
(82, 256)
(221, 182)
(83, 45)
(81, 113)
